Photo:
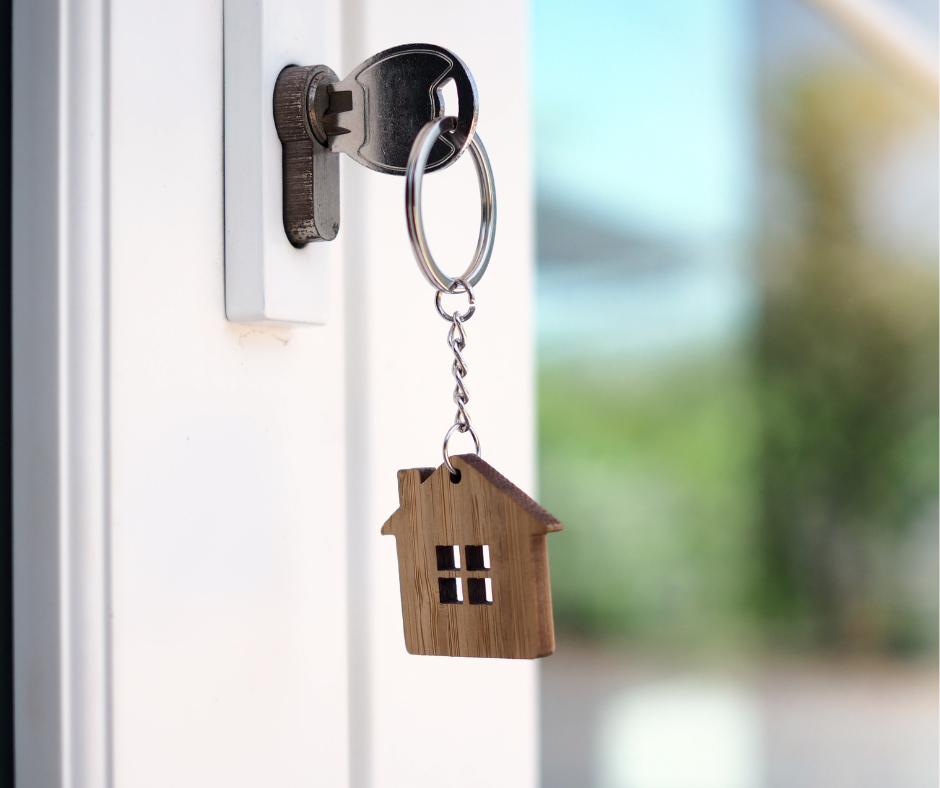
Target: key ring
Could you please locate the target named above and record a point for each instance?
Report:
(460, 282)
(457, 428)
(414, 174)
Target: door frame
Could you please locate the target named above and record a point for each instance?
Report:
(60, 392)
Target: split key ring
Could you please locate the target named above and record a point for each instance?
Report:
(414, 174)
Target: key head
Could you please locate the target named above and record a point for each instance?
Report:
(375, 113)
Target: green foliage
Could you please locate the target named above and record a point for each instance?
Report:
(846, 355)
(654, 483)
(785, 492)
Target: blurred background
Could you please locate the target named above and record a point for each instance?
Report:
(738, 397)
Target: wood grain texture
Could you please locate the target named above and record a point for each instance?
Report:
(483, 508)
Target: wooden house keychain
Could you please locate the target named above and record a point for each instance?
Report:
(472, 555)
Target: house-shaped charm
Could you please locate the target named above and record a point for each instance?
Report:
(473, 564)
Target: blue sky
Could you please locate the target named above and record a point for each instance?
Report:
(644, 112)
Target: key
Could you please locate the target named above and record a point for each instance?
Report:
(375, 113)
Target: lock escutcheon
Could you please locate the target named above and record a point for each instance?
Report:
(310, 171)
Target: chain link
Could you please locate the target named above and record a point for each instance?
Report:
(457, 341)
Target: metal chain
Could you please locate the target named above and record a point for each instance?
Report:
(457, 341)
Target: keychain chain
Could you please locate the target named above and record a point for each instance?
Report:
(457, 341)
(457, 336)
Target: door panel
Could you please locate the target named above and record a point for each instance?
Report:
(436, 720)
(228, 545)
(203, 595)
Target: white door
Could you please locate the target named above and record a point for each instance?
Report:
(202, 596)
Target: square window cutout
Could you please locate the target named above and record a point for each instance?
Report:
(448, 558)
(478, 557)
(451, 589)
(480, 590)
